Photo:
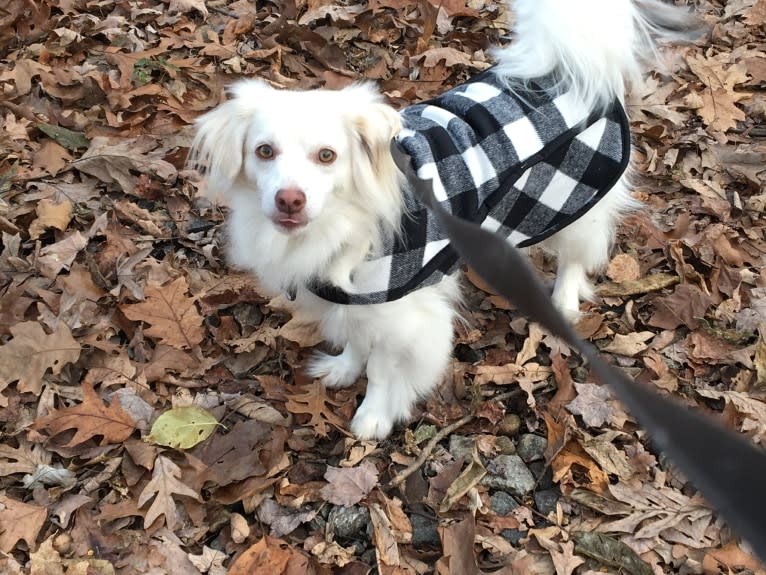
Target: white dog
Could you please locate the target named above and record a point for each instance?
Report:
(535, 148)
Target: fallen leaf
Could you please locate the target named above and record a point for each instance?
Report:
(20, 521)
(631, 344)
(269, 555)
(172, 315)
(164, 484)
(349, 485)
(50, 215)
(593, 403)
(611, 552)
(182, 427)
(622, 268)
(687, 305)
(32, 352)
(89, 419)
(315, 402)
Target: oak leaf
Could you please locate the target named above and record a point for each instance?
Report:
(90, 418)
(22, 459)
(315, 402)
(32, 352)
(19, 521)
(163, 485)
(172, 314)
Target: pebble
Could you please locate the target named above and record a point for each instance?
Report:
(546, 500)
(424, 532)
(460, 446)
(502, 503)
(513, 536)
(510, 424)
(505, 445)
(349, 522)
(509, 473)
(531, 447)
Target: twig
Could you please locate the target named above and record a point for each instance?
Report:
(415, 465)
(431, 445)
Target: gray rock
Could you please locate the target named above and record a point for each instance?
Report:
(502, 503)
(460, 446)
(349, 522)
(509, 473)
(531, 447)
(545, 500)
(513, 536)
(424, 532)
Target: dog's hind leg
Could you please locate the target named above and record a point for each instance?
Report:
(583, 248)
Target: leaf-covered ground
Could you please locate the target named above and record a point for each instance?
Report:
(116, 306)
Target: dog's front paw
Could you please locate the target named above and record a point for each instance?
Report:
(335, 371)
(368, 424)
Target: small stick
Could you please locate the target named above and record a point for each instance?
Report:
(431, 445)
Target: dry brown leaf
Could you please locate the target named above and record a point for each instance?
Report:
(172, 314)
(349, 485)
(164, 484)
(661, 512)
(752, 410)
(32, 352)
(630, 344)
(50, 215)
(90, 418)
(22, 459)
(687, 305)
(622, 268)
(315, 402)
(20, 521)
(61, 255)
(269, 555)
(117, 160)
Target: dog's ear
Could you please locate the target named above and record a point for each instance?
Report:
(375, 175)
(219, 143)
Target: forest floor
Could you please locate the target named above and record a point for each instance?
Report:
(116, 307)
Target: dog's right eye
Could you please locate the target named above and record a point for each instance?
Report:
(264, 152)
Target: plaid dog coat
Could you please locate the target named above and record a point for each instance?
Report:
(524, 165)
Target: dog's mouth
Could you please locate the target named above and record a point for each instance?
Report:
(290, 222)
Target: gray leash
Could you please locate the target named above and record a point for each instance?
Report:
(727, 469)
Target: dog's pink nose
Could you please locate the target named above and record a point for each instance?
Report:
(290, 200)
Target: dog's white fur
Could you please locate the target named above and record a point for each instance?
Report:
(594, 46)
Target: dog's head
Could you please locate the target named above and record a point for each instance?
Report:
(301, 153)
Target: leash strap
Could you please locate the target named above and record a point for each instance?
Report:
(726, 468)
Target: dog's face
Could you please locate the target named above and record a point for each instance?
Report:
(300, 154)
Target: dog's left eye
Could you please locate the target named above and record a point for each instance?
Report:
(326, 156)
(265, 152)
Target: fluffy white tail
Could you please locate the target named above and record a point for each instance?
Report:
(593, 46)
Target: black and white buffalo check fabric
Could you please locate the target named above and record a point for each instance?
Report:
(525, 164)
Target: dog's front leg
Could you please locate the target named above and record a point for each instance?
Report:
(337, 371)
(397, 377)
